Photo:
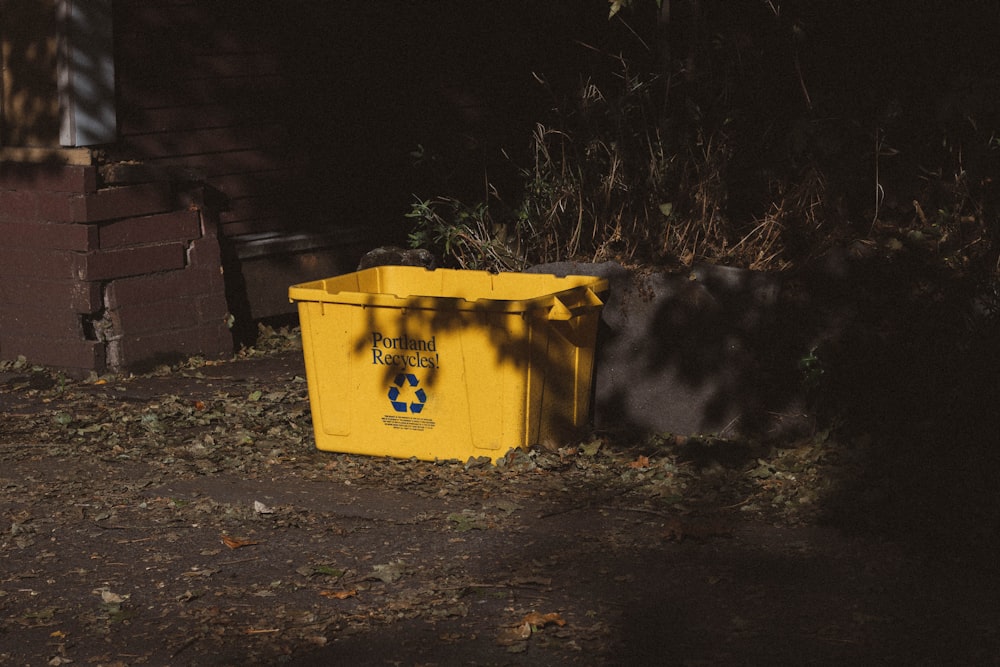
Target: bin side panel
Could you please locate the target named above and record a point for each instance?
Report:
(327, 351)
(567, 359)
(494, 349)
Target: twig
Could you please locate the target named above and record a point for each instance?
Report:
(186, 643)
(739, 504)
(644, 510)
(96, 523)
(461, 587)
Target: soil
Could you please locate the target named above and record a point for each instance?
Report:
(184, 517)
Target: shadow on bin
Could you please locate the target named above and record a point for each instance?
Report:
(447, 364)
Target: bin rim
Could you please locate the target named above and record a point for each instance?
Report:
(318, 291)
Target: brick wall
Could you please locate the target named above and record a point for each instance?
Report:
(93, 278)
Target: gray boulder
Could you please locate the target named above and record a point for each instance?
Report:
(714, 350)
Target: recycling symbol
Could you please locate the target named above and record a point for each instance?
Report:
(406, 381)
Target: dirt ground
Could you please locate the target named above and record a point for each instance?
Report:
(183, 517)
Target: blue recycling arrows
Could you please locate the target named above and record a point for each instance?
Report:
(403, 381)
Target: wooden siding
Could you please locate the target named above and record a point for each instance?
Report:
(201, 94)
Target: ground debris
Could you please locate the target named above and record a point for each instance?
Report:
(186, 516)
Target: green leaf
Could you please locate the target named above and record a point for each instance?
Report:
(328, 571)
(467, 520)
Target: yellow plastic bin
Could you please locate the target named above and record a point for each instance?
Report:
(447, 364)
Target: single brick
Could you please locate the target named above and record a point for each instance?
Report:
(142, 349)
(187, 282)
(22, 263)
(75, 295)
(67, 353)
(122, 202)
(58, 207)
(35, 176)
(160, 228)
(156, 316)
(132, 261)
(25, 320)
(18, 206)
(49, 235)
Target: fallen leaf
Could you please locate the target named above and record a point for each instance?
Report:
(468, 520)
(641, 462)
(339, 595)
(389, 572)
(234, 543)
(538, 620)
(112, 598)
(206, 572)
(513, 635)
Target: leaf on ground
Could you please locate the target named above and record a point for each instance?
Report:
(538, 620)
(204, 572)
(339, 595)
(112, 598)
(639, 463)
(468, 520)
(506, 506)
(514, 635)
(389, 572)
(236, 543)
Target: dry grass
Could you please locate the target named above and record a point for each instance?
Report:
(615, 174)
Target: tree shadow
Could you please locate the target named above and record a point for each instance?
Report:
(889, 353)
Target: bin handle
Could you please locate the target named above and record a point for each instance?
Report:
(561, 312)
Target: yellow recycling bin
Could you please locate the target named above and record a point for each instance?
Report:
(447, 364)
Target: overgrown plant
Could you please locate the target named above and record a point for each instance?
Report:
(721, 133)
(465, 235)
(608, 179)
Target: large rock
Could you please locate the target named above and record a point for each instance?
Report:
(878, 342)
(715, 350)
